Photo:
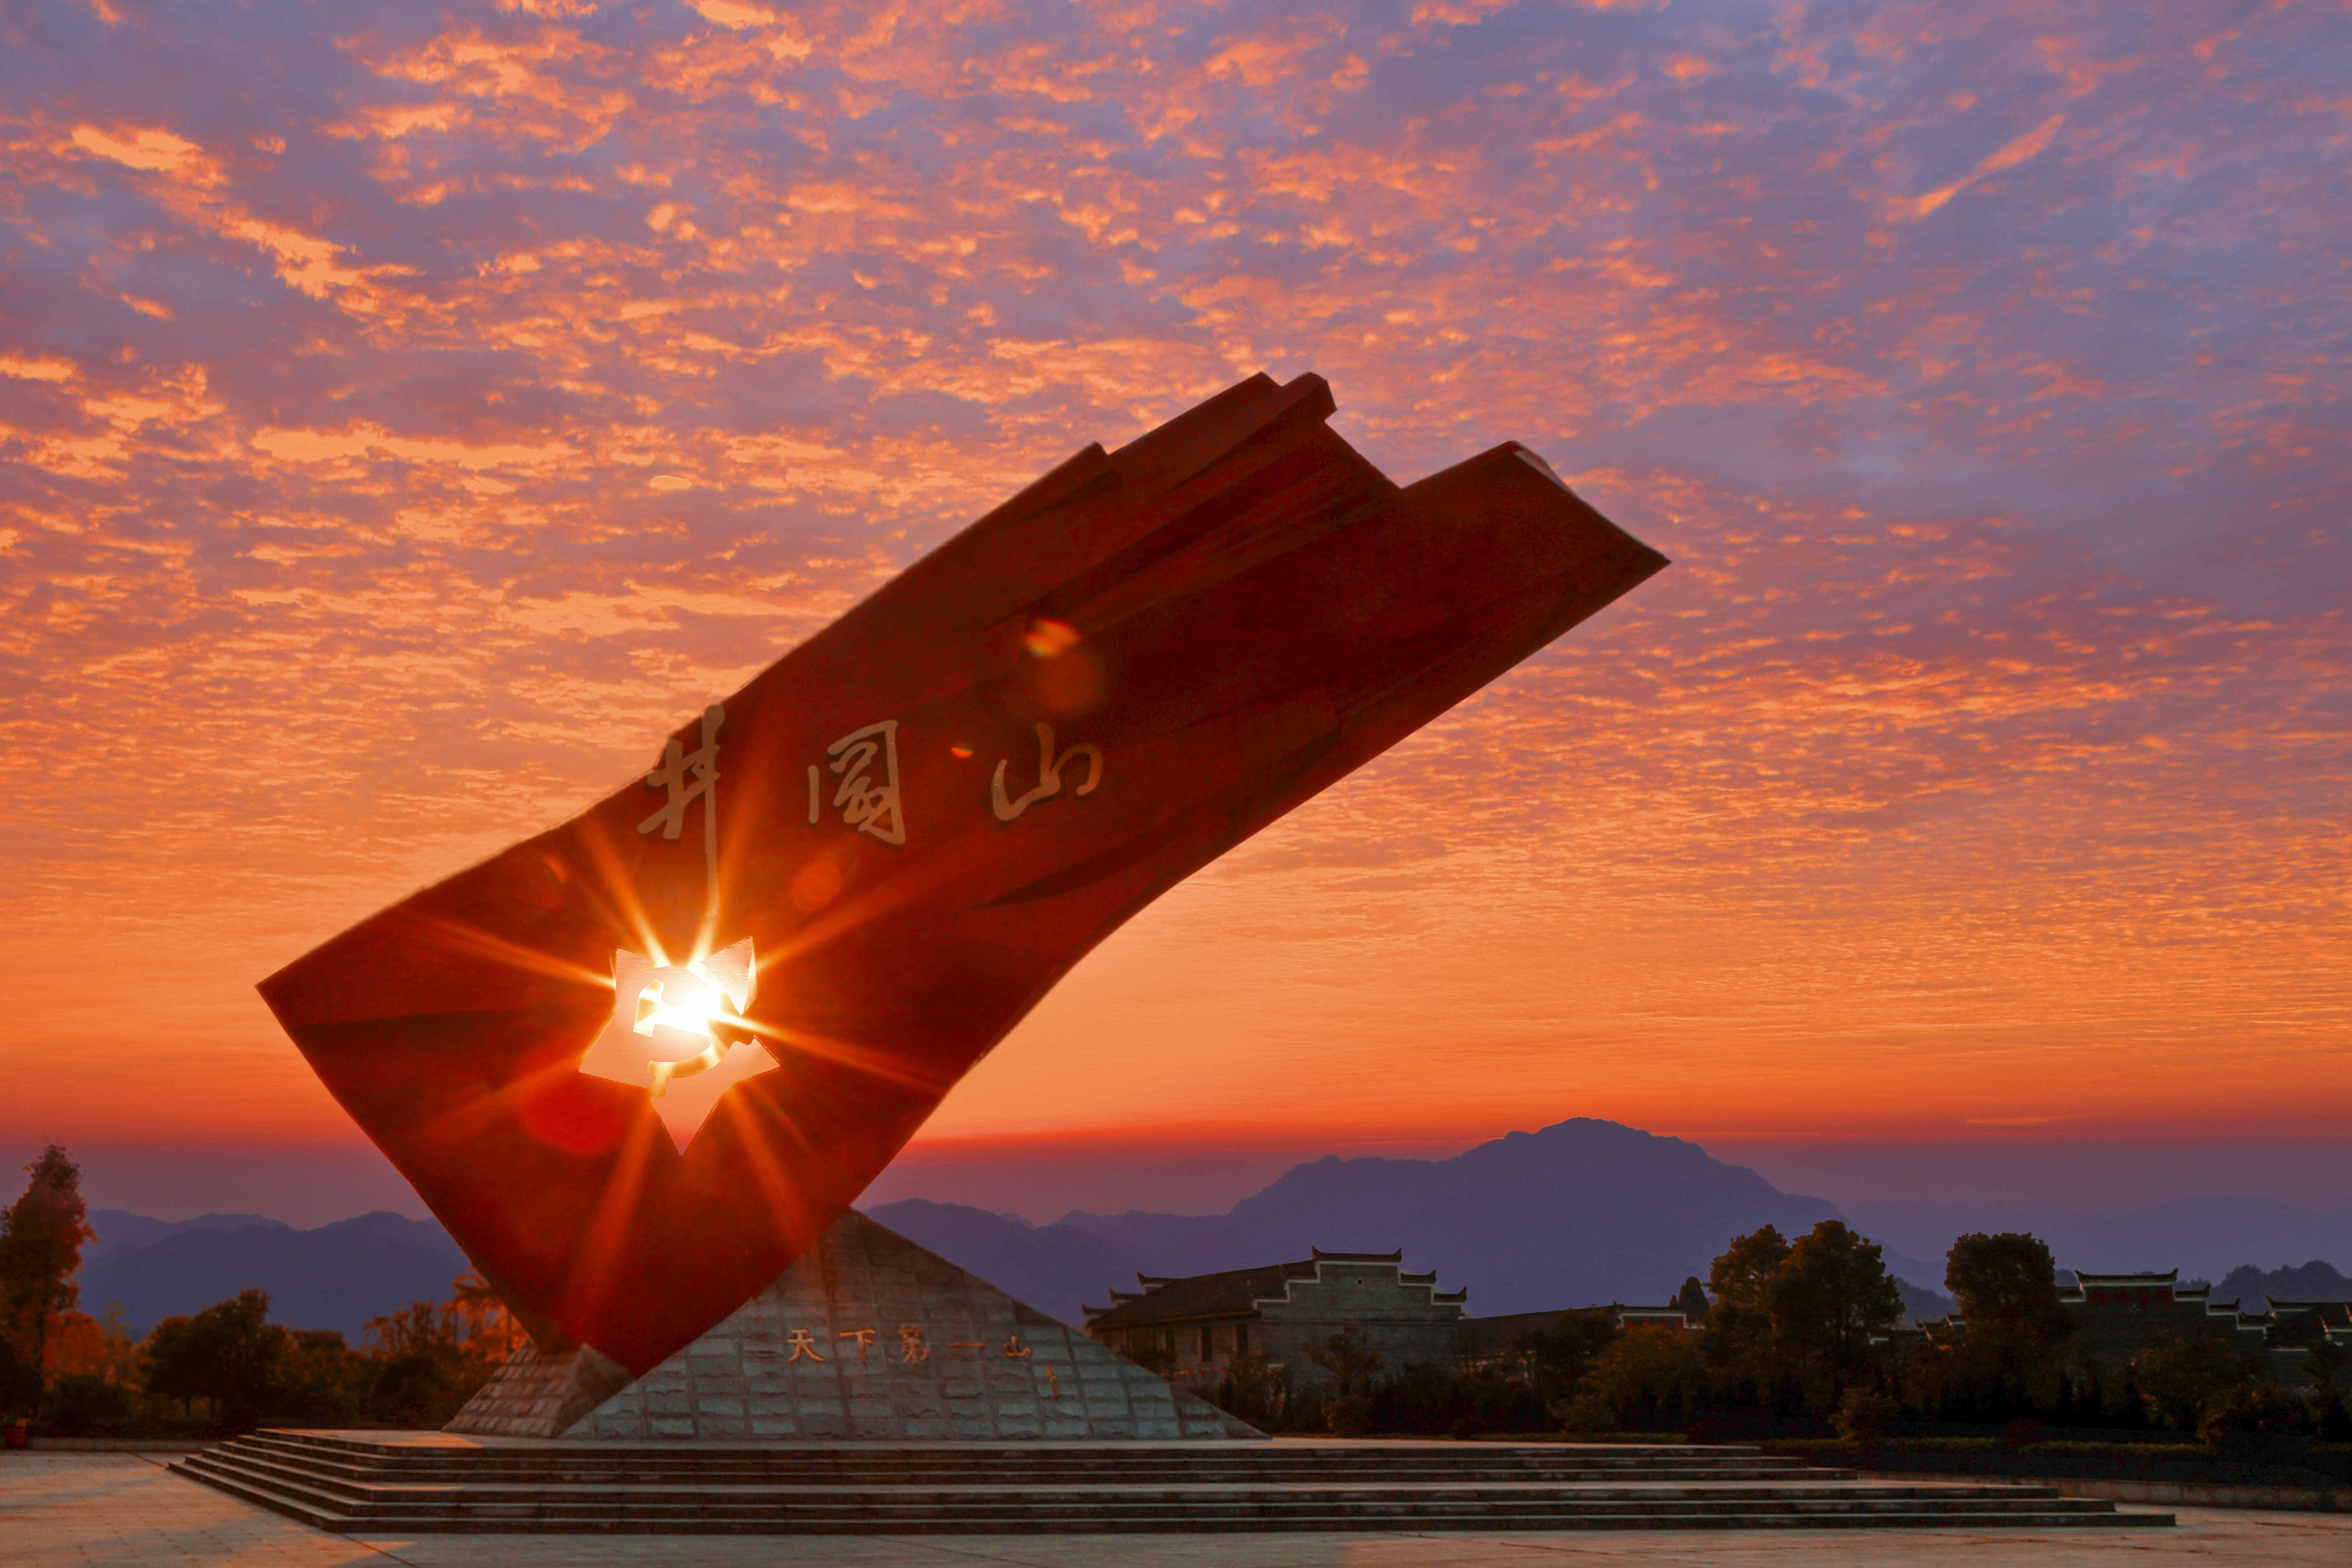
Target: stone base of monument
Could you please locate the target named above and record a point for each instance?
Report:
(404, 1484)
(867, 1338)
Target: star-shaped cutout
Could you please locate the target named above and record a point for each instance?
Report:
(673, 1033)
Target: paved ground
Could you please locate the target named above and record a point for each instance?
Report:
(61, 1510)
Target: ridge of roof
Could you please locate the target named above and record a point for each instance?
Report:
(1235, 1291)
(1199, 1295)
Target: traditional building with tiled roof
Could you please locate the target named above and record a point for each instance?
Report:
(2119, 1315)
(2116, 1316)
(1286, 1313)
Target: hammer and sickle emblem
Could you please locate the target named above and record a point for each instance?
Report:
(678, 1022)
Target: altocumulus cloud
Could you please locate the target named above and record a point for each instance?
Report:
(407, 414)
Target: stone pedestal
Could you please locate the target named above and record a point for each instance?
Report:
(536, 1395)
(866, 1337)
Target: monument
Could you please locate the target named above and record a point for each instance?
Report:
(641, 1064)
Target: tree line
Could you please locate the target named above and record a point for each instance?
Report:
(1810, 1335)
(1801, 1332)
(226, 1368)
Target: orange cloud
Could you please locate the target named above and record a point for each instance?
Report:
(2009, 157)
(156, 152)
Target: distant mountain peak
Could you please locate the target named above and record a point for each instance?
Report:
(1578, 1212)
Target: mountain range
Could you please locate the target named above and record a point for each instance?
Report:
(335, 1277)
(1582, 1213)
(2312, 1282)
(2204, 1237)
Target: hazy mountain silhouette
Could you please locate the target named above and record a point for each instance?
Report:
(2312, 1282)
(114, 1229)
(1053, 1268)
(2204, 1237)
(1580, 1214)
(336, 1276)
(1921, 1304)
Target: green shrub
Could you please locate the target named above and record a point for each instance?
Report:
(2254, 1408)
(80, 1406)
(20, 1384)
(1861, 1419)
(2180, 1378)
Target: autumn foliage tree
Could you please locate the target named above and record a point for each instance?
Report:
(426, 1365)
(1794, 1323)
(423, 1364)
(1643, 1371)
(41, 1239)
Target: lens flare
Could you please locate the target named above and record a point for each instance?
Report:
(672, 1023)
(1049, 639)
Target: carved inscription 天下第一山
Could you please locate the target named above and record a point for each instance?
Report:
(915, 1348)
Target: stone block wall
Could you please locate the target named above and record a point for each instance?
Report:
(540, 1395)
(871, 1337)
(1404, 1326)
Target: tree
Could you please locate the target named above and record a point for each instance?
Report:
(1650, 1368)
(2324, 1363)
(1255, 1392)
(40, 1249)
(488, 1327)
(1827, 1302)
(78, 1405)
(1351, 1360)
(1861, 1418)
(1741, 1318)
(1353, 1363)
(103, 1348)
(20, 1382)
(227, 1353)
(1691, 1299)
(423, 1374)
(2007, 1288)
(2009, 1356)
(318, 1379)
(2255, 1408)
(1149, 1351)
(2179, 1378)
(1565, 1352)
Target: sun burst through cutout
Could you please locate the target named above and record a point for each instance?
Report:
(678, 1032)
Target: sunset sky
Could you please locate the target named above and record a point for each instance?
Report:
(409, 414)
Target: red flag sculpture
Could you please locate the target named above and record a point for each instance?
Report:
(638, 1063)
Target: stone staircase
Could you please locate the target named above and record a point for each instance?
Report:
(378, 1484)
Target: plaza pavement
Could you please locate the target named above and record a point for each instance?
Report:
(105, 1509)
